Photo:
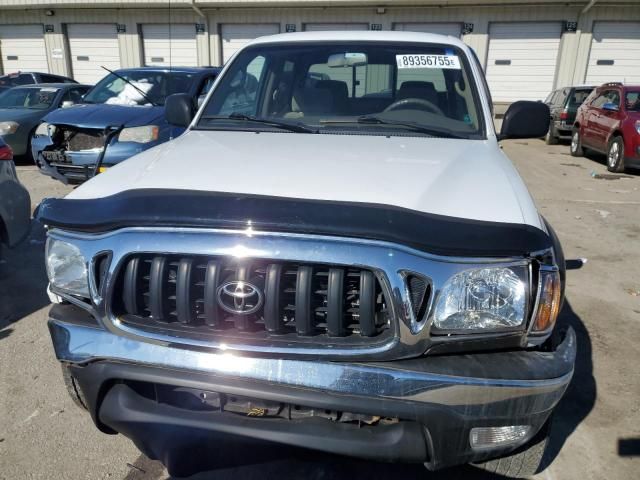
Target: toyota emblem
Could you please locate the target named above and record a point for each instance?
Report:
(239, 297)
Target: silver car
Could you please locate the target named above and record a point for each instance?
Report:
(15, 203)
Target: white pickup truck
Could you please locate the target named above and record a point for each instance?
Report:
(335, 255)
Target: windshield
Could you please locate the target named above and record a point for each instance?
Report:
(369, 88)
(32, 98)
(155, 86)
(633, 101)
(579, 96)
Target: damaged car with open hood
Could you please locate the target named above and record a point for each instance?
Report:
(123, 114)
(347, 262)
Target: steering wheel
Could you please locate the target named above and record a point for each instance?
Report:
(418, 102)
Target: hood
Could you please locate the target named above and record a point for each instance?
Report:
(100, 115)
(20, 114)
(460, 178)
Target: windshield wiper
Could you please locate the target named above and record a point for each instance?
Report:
(416, 127)
(292, 127)
(140, 91)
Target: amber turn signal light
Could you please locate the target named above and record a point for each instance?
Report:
(548, 300)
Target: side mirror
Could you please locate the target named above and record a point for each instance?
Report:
(178, 109)
(67, 104)
(525, 119)
(201, 99)
(610, 107)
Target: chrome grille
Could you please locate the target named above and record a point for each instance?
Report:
(186, 295)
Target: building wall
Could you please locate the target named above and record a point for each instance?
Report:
(570, 69)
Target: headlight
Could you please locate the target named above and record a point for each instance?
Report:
(638, 126)
(45, 129)
(145, 134)
(482, 299)
(7, 128)
(67, 268)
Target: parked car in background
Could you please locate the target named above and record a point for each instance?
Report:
(123, 114)
(29, 78)
(15, 203)
(609, 122)
(563, 104)
(22, 110)
(348, 266)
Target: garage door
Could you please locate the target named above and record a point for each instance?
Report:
(22, 48)
(236, 35)
(333, 27)
(163, 47)
(615, 53)
(521, 62)
(453, 29)
(93, 46)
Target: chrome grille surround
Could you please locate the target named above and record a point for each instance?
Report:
(409, 337)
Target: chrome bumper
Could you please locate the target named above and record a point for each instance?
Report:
(78, 344)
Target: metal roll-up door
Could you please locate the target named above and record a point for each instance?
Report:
(166, 45)
(22, 48)
(237, 35)
(522, 57)
(453, 29)
(615, 53)
(334, 27)
(92, 46)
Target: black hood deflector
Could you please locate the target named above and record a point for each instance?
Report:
(436, 234)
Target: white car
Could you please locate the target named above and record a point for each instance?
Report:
(336, 255)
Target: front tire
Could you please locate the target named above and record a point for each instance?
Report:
(576, 144)
(523, 462)
(615, 155)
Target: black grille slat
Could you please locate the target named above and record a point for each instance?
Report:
(243, 322)
(272, 319)
(157, 288)
(304, 318)
(335, 302)
(295, 302)
(130, 292)
(212, 313)
(184, 302)
(367, 306)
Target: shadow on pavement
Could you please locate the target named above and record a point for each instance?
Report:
(23, 278)
(580, 397)
(249, 461)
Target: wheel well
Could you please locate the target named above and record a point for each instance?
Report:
(614, 134)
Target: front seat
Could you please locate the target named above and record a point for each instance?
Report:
(339, 93)
(415, 89)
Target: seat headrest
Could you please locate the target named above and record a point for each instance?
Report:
(416, 89)
(338, 89)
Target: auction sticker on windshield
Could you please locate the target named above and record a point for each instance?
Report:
(428, 61)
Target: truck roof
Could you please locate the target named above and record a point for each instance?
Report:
(361, 36)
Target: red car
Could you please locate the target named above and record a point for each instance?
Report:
(609, 122)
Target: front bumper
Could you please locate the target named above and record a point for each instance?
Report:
(563, 129)
(437, 399)
(78, 166)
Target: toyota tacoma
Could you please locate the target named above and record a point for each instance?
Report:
(347, 262)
